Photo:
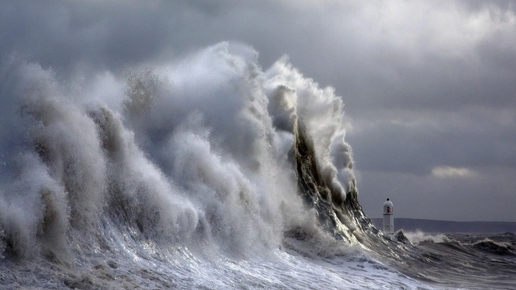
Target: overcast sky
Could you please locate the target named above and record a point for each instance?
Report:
(429, 86)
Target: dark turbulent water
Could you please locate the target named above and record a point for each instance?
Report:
(205, 173)
(461, 260)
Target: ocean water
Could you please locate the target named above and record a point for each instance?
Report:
(208, 172)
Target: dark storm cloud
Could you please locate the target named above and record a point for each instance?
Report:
(483, 196)
(63, 35)
(114, 34)
(427, 84)
(419, 148)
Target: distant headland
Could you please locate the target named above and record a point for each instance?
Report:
(436, 226)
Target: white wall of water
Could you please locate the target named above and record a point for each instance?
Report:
(194, 150)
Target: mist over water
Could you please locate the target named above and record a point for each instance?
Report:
(205, 172)
(182, 153)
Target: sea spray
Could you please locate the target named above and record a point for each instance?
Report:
(140, 195)
(311, 118)
(207, 156)
(193, 154)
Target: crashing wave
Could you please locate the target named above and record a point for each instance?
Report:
(209, 150)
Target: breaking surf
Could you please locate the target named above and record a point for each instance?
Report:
(205, 172)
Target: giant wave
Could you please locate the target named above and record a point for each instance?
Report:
(204, 172)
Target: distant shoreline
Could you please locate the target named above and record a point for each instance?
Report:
(436, 226)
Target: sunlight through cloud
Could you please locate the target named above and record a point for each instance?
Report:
(447, 171)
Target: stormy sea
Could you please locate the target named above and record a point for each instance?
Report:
(206, 172)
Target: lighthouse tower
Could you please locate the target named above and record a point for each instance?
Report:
(388, 218)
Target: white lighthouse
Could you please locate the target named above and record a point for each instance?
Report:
(388, 218)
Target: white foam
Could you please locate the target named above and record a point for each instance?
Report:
(419, 236)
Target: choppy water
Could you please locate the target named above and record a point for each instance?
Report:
(468, 261)
(205, 173)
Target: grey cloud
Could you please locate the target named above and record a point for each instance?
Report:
(336, 44)
(418, 149)
(111, 35)
(478, 5)
(481, 197)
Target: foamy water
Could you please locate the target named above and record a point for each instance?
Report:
(207, 172)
